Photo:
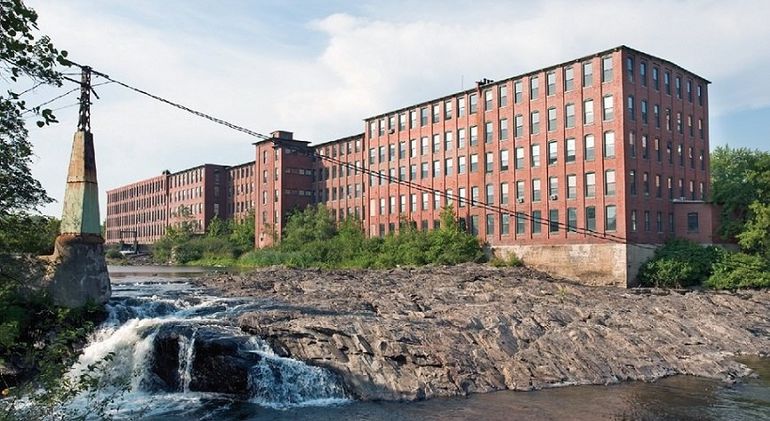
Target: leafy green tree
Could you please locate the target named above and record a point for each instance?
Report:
(23, 233)
(740, 176)
(218, 227)
(243, 233)
(312, 224)
(755, 237)
(740, 270)
(27, 59)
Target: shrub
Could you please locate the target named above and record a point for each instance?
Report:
(113, 253)
(511, 260)
(679, 263)
(740, 270)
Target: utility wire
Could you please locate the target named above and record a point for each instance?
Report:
(308, 151)
(58, 97)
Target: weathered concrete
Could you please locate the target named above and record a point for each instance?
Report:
(78, 272)
(441, 331)
(81, 198)
(589, 264)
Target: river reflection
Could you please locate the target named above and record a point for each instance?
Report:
(675, 398)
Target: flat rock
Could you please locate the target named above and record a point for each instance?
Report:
(407, 334)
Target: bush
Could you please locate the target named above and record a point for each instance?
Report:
(678, 264)
(740, 270)
(113, 253)
(511, 260)
(312, 238)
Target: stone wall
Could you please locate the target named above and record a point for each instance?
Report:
(588, 264)
(636, 255)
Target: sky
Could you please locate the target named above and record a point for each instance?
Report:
(318, 68)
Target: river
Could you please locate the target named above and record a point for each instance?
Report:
(149, 302)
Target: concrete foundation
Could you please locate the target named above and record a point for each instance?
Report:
(588, 264)
(78, 272)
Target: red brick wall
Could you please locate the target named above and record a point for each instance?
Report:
(695, 171)
(139, 207)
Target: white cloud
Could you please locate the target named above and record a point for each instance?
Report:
(386, 55)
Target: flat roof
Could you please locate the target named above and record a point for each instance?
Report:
(519, 76)
(342, 139)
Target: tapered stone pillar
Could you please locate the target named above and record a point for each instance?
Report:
(78, 273)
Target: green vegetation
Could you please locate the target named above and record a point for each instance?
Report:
(741, 186)
(740, 178)
(224, 242)
(679, 263)
(25, 233)
(312, 238)
(511, 260)
(740, 270)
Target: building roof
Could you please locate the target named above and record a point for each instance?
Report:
(342, 139)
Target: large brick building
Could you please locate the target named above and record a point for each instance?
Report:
(580, 168)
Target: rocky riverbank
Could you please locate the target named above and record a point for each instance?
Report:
(409, 334)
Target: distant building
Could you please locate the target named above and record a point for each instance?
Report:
(581, 168)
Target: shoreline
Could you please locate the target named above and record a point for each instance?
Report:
(417, 333)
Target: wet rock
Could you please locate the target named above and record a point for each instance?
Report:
(221, 362)
(165, 362)
(406, 334)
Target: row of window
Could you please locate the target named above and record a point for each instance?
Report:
(340, 148)
(137, 204)
(143, 232)
(632, 74)
(552, 223)
(434, 113)
(678, 121)
(643, 150)
(633, 225)
(447, 145)
(570, 120)
(498, 96)
(137, 191)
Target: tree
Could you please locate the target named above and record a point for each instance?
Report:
(739, 177)
(314, 223)
(23, 59)
(243, 233)
(755, 237)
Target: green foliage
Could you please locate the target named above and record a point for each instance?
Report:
(679, 263)
(740, 176)
(755, 237)
(27, 59)
(310, 225)
(113, 253)
(313, 239)
(24, 233)
(223, 242)
(740, 270)
(511, 260)
(242, 233)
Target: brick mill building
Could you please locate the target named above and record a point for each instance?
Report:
(580, 168)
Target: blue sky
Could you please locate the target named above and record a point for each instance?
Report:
(317, 68)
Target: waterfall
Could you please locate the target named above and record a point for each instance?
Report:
(163, 353)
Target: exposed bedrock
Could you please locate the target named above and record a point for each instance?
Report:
(439, 331)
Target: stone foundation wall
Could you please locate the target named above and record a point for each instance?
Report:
(588, 264)
(636, 255)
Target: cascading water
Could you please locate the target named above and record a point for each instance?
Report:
(168, 349)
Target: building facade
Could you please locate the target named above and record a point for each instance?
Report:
(581, 168)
